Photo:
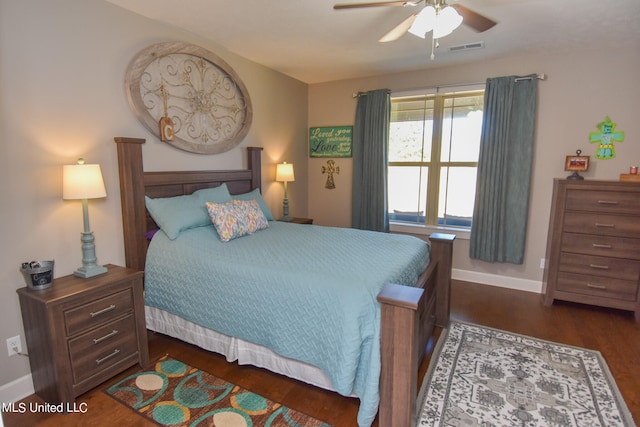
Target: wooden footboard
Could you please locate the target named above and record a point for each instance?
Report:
(407, 320)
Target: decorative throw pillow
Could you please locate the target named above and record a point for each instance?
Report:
(236, 218)
(254, 216)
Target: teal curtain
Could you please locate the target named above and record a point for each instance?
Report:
(370, 157)
(498, 233)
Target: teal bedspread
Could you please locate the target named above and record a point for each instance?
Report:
(305, 292)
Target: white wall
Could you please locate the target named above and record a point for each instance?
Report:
(62, 96)
(582, 87)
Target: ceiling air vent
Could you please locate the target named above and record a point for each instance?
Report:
(468, 46)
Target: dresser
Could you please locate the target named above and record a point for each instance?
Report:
(82, 332)
(593, 245)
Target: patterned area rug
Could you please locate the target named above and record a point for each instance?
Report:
(488, 377)
(175, 394)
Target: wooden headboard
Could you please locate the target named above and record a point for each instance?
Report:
(135, 183)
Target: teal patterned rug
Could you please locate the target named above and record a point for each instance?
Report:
(487, 377)
(175, 394)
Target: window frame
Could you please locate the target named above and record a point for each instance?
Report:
(435, 165)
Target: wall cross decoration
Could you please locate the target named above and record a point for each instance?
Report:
(330, 169)
(606, 137)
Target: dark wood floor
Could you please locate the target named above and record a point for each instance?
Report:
(614, 333)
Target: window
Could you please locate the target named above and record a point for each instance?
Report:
(434, 143)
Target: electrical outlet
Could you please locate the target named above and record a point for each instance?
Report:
(543, 263)
(14, 346)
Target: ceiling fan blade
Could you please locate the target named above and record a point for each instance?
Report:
(399, 30)
(376, 4)
(473, 19)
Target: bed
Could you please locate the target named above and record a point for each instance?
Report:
(377, 328)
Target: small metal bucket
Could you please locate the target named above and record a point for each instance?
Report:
(38, 274)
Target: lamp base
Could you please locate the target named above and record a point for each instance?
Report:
(286, 218)
(90, 271)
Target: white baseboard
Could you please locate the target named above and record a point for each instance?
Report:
(497, 280)
(17, 389)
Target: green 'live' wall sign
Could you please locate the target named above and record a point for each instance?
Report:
(334, 141)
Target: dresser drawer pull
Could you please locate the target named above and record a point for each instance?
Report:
(589, 285)
(599, 267)
(104, 310)
(602, 246)
(608, 202)
(106, 337)
(115, 352)
(601, 225)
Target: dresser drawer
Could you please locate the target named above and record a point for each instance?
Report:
(602, 224)
(614, 268)
(603, 287)
(89, 315)
(103, 347)
(622, 202)
(607, 246)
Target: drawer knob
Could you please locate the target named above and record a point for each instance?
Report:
(115, 352)
(104, 310)
(589, 285)
(106, 337)
(599, 267)
(608, 202)
(601, 246)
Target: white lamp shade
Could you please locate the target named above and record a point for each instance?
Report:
(284, 172)
(424, 22)
(442, 22)
(82, 182)
(448, 20)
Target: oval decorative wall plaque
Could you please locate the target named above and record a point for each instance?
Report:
(188, 97)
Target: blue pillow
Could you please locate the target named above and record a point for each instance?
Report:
(255, 194)
(176, 214)
(218, 194)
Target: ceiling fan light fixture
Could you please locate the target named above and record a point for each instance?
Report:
(441, 21)
(447, 20)
(425, 21)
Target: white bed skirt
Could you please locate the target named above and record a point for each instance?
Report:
(234, 349)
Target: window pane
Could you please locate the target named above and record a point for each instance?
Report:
(410, 141)
(411, 130)
(457, 196)
(461, 129)
(407, 193)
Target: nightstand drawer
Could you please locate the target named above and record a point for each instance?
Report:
(623, 202)
(96, 312)
(608, 246)
(603, 287)
(614, 268)
(103, 347)
(602, 224)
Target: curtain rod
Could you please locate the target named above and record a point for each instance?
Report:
(540, 76)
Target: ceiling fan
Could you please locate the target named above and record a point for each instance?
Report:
(470, 18)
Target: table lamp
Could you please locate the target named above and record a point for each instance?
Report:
(84, 182)
(284, 173)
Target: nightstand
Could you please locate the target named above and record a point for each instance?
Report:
(82, 332)
(302, 220)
